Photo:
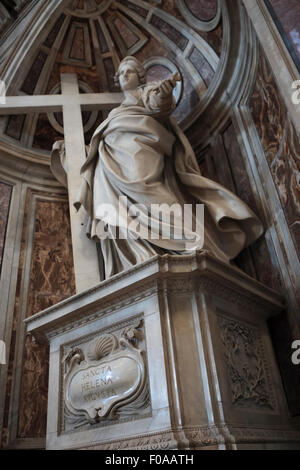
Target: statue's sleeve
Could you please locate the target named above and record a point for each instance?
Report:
(157, 103)
(58, 162)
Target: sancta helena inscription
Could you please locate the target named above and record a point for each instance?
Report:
(104, 376)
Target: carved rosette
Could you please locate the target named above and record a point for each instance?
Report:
(105, 379)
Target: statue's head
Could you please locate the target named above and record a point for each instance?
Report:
(130, 74)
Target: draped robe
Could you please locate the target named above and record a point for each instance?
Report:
(141, 153)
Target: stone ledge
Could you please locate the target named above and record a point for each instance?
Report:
(167, 273)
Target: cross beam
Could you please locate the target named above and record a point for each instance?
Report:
(71, 103)
(54, 103)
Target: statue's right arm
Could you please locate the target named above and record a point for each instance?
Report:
(158, 98)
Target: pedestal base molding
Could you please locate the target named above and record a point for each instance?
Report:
(172, 354)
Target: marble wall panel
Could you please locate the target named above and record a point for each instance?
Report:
(282, 339)
(51, 280)
(78, 50)
(78, 44)
(200, 63)
(11, 348)
(289, 163)
(5, 196)
(136, 8)
(206, 163)
(237, 168)
(15, 125)
(268, 110)
(287, 18)
(157, 72)
(204, 10)
(281, 145)
(101, 38)
(213, 38)
(172, 33)
(153, 47)
(87, 74)
(34, 391)
(110, 73)
(45, 135)
(52, 277)
(223, 162)
(190, 98)
(54, 31)
(259, 260)
(265, 264)
(127, 35)
(280, 141)
(89, 134)
(33, 75)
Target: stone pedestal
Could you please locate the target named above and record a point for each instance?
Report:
(173, 354)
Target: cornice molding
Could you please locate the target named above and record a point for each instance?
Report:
(160, 275)
(26, 166)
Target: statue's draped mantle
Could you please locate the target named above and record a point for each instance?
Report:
(141, 153)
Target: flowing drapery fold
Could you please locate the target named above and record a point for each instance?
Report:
(140, 153)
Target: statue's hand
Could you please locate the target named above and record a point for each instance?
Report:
(167, 85)
(175, 77)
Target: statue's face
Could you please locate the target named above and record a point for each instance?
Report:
(128, 76)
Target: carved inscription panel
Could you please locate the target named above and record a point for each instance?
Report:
(105, 379)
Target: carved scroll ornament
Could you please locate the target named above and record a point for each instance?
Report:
(108, 377)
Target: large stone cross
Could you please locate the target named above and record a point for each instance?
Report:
(71, 103)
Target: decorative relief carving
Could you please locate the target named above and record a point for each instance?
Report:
(203, 436)
(280, 142)
(253, 435)
(156, 441)
(199, 438)
(105, 379)
(245, 365)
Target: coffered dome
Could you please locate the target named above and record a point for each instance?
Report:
(90, 37)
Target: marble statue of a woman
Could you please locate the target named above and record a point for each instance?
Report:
(139, 156)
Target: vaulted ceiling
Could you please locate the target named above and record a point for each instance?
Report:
(90, 37)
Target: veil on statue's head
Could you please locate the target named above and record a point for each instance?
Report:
(137, 65)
